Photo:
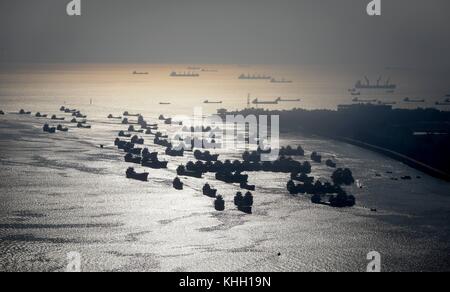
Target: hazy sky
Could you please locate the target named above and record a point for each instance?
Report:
(410, 32)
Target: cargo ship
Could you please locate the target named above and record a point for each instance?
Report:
(139, 73)
(289, 100)
(413, 100)
(254, 77)
(256, 101)
(273, 80)
(184, 74)
(386, 86)
(212, 102)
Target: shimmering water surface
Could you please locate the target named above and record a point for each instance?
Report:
(61, 193)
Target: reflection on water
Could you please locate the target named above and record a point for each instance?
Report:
(63, 193)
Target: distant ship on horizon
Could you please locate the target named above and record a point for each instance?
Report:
(413, 100)
(387, 85)
(209, 70)
(357, 99)
(184, 74)
(254, 77)
(256, 101)
(139, 73)
(273, 80)
(213, 102)
(289, 99)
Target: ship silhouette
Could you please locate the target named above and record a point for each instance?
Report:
(213, 102)
(254, 77)
(256, 101)
(386, 86)
(273, 80)
(184, 74)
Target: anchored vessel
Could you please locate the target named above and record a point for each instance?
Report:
(256, 101)
(254, 77)
(386, 86)
(184, 74)
(212, 102)
(273, 80)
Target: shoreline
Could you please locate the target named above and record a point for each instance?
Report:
(397, 156)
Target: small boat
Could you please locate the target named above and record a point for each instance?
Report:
(133, 151)
(23, 112)
(205, 156)
(181, 171)
(131, 174)
(355, 93)
(316, 157)
(136, 140)
(219, 203)
(75, 121)
(330, 163)
(165, 103)
(62, 109)
(130, 158)
(177, 184)
(229, 177)
(39, 115)
(62, 129)
(342, 200)
(2, 113)
(174, 152)
(79, 115)
(244, 203)
(127, 114)
(55, 118)
(246, 186)
(154, 163)
(49, 129)
(110, 116)
(132, 129)
(285, 151)
(208, 191)
(139, 73)
(81, 126)
(162, 142)
(123, 134)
